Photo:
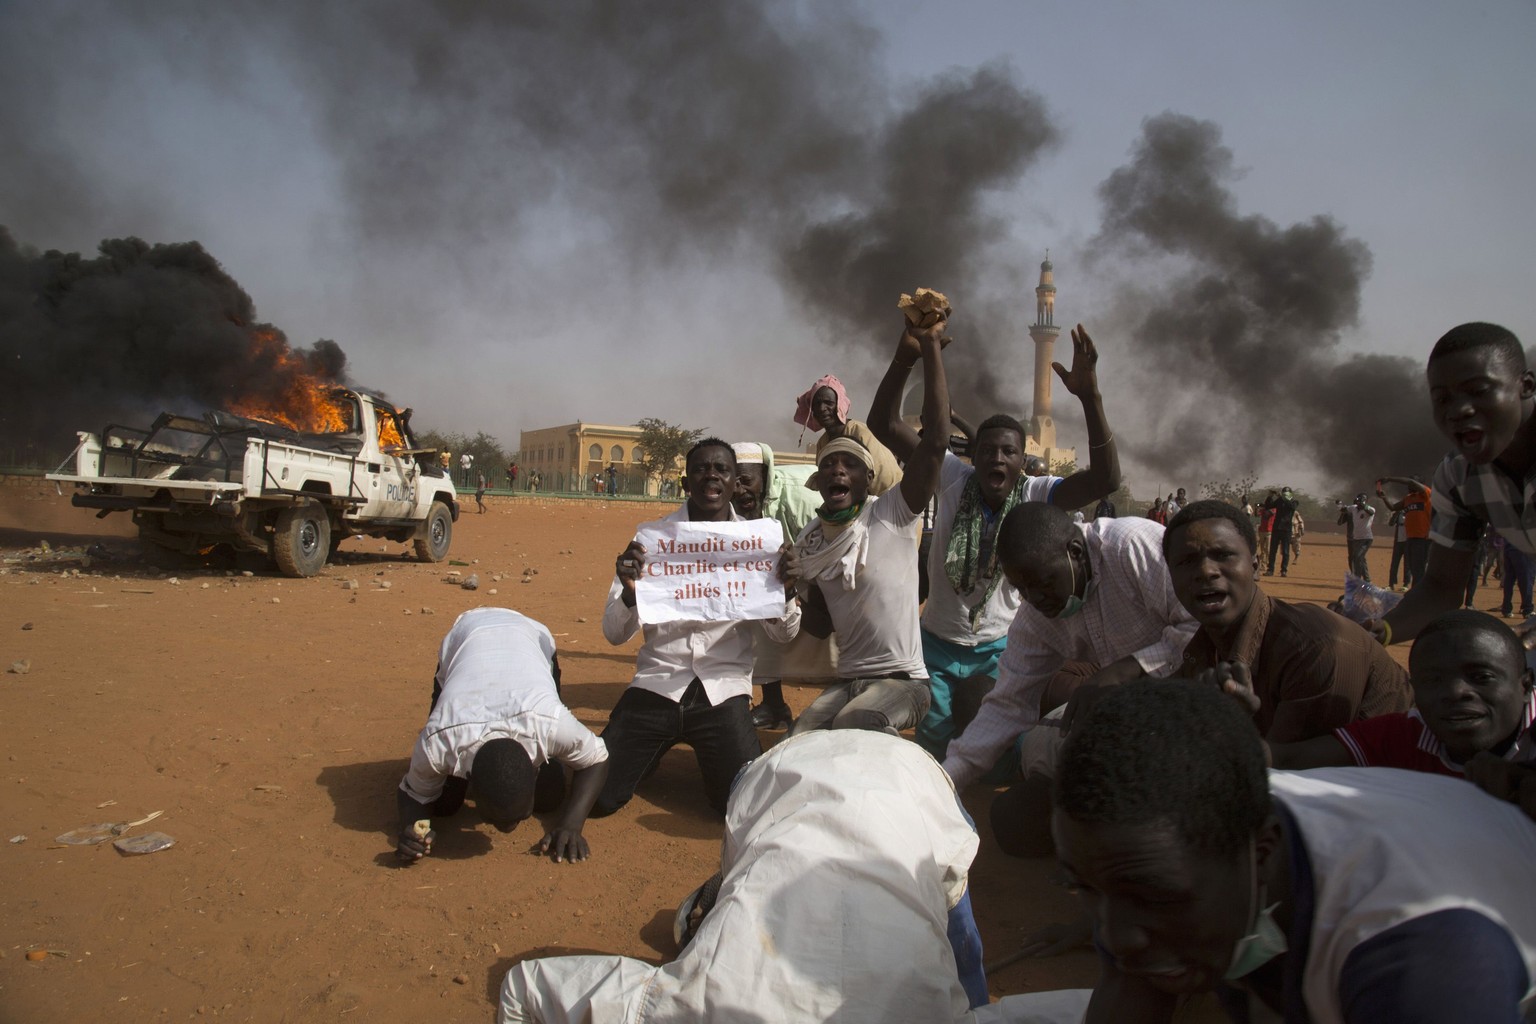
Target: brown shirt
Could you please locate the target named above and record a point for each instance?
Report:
(1313, 670)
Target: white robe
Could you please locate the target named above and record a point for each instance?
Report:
(844, 852)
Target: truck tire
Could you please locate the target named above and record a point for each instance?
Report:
(436, 534)
(301, 540)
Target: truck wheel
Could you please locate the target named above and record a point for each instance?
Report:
(301, 540)
(436, 534)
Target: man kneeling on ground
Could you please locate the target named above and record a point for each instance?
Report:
(693, 680)
(497, 723)
(858, 560)
(844, 866)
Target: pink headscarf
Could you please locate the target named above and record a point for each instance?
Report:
(803, 414)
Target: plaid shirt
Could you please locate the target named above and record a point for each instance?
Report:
(1131, 611)
(1466, 498)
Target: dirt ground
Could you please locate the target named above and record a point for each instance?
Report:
(271, 719)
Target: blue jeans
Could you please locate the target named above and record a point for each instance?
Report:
(645, 725)
(958, 678)
(965, 940)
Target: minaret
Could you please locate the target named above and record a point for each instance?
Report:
(1042, 429)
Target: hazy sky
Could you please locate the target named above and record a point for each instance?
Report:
(516, 215)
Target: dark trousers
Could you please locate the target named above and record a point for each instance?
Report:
(1519, 571)
(1280, 544)
(1418, 556)
(645, 725)
(1400, 558)
(1357, 563)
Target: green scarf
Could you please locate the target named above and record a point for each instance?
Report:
(833, 523)
(962, 558)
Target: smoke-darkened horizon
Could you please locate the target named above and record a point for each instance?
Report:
(671, 140)
(1243, 342)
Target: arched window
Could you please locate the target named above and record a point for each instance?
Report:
(637, 454)
(616, 453)
(595, 453)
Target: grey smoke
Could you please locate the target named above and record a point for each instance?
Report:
(690, 131)
(1241, 346)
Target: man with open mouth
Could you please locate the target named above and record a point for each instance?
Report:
(970, 603)
(1312, 670)
(1483, 397)
(693, 680)
(856, 564)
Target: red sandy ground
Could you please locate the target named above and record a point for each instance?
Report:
(271, 719)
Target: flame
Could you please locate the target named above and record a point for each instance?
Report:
(308, 403)
(389, 433)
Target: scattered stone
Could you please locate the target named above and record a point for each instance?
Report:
(526, 579)
(429, 611)
(581, 618)
(385, 584)
(461, 979)
(491, 591)
(407, 611)
(247, 573)
(26, 625)
(20, 668)
(268, 787)
(495, 577)
(173, 581)
(349, 584)
(473, 583)
(203, 587)
(277, 600)
(17, 840)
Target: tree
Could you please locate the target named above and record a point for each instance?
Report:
(490, 457)
(663, 445)
(1232, 493)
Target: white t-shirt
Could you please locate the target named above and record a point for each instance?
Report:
(876, 622)
(494, 670)
(947, 615)
(1362, 520)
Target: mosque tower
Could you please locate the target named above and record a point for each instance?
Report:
(1042, 429)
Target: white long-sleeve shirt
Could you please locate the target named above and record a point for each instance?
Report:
(718, 654)
(1131, 611)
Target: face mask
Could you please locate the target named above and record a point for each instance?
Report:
(1264, 940)
(1074, 603)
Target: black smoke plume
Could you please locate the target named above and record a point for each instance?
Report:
(1240, 347)
(693, 132)
(133, 331)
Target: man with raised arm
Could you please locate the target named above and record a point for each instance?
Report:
(970, 602)
(858, 562)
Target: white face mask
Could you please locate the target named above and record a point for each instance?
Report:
(1074, 603)
(1264, 940)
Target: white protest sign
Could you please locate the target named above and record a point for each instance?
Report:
(710, 572)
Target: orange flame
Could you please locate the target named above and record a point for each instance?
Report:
(389, 434)
(309, 403)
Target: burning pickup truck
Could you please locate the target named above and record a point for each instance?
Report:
(255, 485)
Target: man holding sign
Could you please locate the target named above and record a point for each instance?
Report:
(694, 580)
(858, 558)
